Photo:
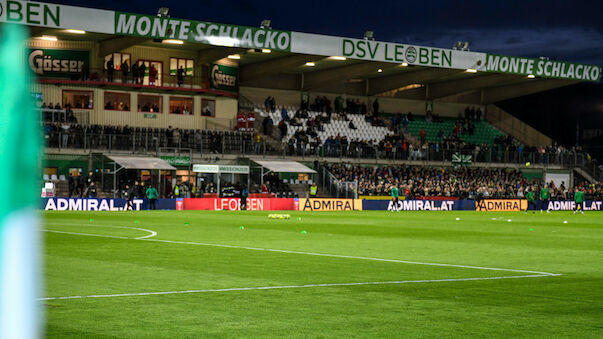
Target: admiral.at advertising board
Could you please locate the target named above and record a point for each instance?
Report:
(93, 204)
(330, 204)
(419, 205)
(501, 205)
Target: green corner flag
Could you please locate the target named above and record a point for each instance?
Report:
(19, 171)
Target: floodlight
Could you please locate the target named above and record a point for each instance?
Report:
(369, 35)
(163, 12)
(266, 24)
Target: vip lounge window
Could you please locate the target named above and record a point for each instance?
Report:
(118, 59)
(181, 105)
(149, 103)
(187, 65)
(152, 72)
(78, 99)
(208, 108)
(115, 101)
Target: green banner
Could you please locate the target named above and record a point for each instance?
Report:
(58, 62)
(150, 116)
(176, 160)
(542, 68)
(224, 78)
(202, 32)
(237, 169)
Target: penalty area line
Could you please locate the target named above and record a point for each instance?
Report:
(291, 287)
(318, 254)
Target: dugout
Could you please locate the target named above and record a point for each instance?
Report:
(118, 165)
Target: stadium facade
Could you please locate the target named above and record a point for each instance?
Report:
(201, 75)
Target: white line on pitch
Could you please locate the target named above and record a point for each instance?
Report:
(292, 286)
(152, 233)
(318, 254)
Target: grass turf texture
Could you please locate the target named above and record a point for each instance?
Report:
(552, 306)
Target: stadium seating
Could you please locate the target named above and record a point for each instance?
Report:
(484, 133)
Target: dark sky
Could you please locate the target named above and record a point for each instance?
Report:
(561, 30)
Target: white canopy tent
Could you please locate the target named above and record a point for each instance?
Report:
(139, 163)
(284, 166)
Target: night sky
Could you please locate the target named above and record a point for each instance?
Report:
(560, 30)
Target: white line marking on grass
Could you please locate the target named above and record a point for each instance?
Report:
(317, 254)
(152, 233)
(294, 286)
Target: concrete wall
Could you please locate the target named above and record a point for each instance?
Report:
(515, 127)
(389, 105)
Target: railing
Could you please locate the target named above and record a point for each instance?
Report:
(335, 187)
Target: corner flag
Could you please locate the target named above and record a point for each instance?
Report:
(19, 172)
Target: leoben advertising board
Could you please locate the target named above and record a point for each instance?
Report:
(330, 204)
(224, 78)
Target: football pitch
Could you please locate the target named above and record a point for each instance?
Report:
(341, 274)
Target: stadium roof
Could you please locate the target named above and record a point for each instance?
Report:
(291, 60)
(142, 163)
(284, 166)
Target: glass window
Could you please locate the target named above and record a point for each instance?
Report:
(208, 108)
(78, 99)
(149, 103)
(117, 101)
(118, 59)
(187, 64)
(153, 72)
(179, 105)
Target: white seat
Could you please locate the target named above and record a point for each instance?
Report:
(46, 177)
(62, 177)
(54, 177)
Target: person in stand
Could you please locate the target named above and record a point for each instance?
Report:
(545, 195)
(142, 69)
(131, 193)
(110, 69)
(177, 190)
(80, 184)
(90, 179)
(313, 190)
(91, 190)
(125, 70)
(395, 198)
(72, 185)
(152, 196)
(531, 197)
(180, 76)
(578, 201)
(244, 195)
(135, 73)
(152, 75)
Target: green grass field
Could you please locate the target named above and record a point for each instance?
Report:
(551, 284)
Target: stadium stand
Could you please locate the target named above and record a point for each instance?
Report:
(464, 183)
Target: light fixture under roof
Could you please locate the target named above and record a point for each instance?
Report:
(404, 64)
(266, 50)
(471, 70)
(379, 70)
(531, 76)
(75, 31)
(310, 64)
(173, 41)
(234, 57)
(48, 38)
(339, 58)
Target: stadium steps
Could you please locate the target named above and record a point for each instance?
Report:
(300, 190)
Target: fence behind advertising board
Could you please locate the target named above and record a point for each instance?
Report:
(330, 204)
(234, 204)
(91, 204)
(420, 205)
